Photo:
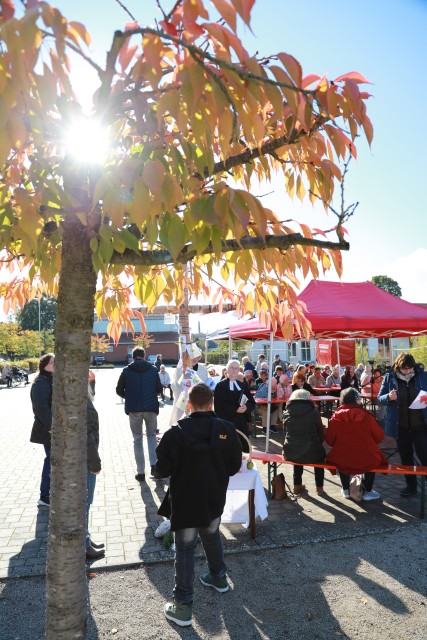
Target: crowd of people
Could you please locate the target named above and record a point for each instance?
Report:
(211, 408)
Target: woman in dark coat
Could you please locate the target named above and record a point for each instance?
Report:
(401, 385)
(303, 438)
(41, 400)
(354, 434)
(93, 551)
(233, 401)
(349, 379)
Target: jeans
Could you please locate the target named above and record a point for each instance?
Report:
(136, 420)
(185, 545)
(45, 482)
(91, 482)
(319, 475)
(368, 480)
(407, 441)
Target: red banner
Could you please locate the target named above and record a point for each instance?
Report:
(327, 352)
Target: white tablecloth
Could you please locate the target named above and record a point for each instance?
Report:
(236, 506)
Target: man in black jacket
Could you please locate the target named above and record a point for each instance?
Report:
(139, 385)
(199, 453)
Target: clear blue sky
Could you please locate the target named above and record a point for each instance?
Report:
(386, 41)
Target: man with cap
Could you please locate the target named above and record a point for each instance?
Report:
(278, 362)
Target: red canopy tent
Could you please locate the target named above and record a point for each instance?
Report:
(348, 310)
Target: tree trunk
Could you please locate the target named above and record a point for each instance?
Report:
(66, 576)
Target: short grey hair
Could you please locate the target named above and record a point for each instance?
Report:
(300, 394)
(230, 362)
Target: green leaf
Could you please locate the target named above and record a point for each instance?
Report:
(176, 236)
(130, 241)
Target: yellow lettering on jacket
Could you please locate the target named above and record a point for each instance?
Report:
(223, 436)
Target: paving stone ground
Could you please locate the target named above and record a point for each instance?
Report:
(124, 513)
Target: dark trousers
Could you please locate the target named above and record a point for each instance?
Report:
(319, 475)
(368, 480)
(170, 391)
(185, 546)
(407, 441)
(45, 481)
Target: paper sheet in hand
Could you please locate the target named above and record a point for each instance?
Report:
(417, 404)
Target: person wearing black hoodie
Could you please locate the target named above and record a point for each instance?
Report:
(139, 384)
(199, 454)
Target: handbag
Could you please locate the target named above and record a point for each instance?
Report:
(278, 487)
(356, 487)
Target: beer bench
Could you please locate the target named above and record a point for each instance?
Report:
(275, 459)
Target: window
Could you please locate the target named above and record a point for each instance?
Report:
(384, 347)
(305, 351)
(292, 350)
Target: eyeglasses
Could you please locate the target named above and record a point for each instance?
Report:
(407, 369)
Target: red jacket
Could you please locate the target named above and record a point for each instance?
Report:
(353, 434)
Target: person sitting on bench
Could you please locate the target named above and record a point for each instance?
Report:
(354, 434)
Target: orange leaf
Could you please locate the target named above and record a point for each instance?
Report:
(368, 129)
(244, 8)
(227, 11)
(125, 56)
(353, 75)
(140, 317)
(168, 28)
(322, 233)
(82, 32)
(292, 66)
(309, 79)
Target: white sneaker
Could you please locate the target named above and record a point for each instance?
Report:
(162, 529)
(345, 493)
(371, 495)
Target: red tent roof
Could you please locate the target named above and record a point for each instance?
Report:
(353, 310)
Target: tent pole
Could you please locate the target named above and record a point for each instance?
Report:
(391, 353)
(230, 346)
(270, 376)
(338, 355)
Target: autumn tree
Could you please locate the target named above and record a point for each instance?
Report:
(193, 122)
(99, 344)
(387, 284)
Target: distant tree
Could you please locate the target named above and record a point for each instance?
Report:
(9, 339)
(99, 344)
(387, 284)
(418, 349)
(28, 316)
(143, 340)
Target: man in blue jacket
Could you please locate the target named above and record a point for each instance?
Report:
(139, 384)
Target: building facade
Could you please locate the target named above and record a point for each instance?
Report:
(165, 339)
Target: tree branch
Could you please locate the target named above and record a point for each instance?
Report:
(120, 36)
(248, 243)
(252, 154)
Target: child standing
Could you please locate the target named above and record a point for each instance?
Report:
(199, 454)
